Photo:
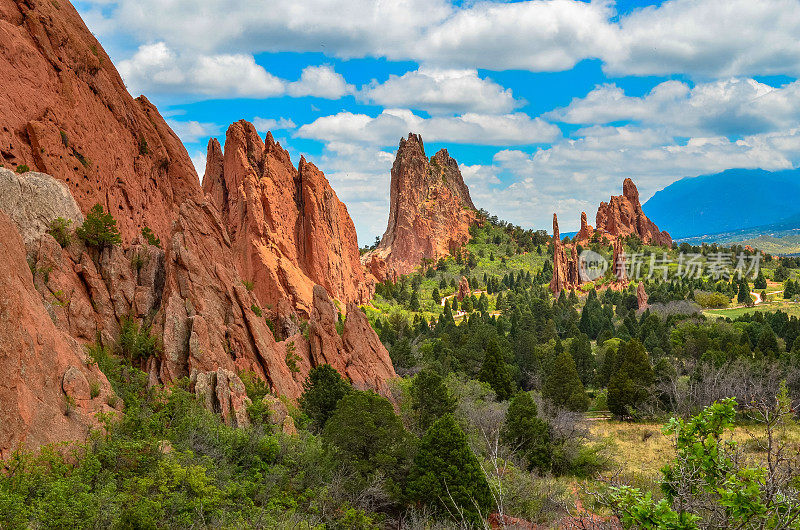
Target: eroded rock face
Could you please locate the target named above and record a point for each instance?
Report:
(623, 216)
(65, 111)
(641, 297)
(565, 263)
(358, 354)
(430, 211)
(46, 393)
(34, 200)
(586, 231)
(463, 289)
(619, 262)
(288, 229)
(223, 392)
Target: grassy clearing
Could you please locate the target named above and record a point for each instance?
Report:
(790, 308)
(640, 450)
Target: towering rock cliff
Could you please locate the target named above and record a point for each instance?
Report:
(566, 272)
(45, 395)
(288, 229)
(623, 216)
(430, 211)
(65, 110)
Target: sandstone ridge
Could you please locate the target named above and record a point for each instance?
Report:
(65, 112)
(288, 228)
(430, 211)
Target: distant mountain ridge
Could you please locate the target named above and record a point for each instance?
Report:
(782, 237)
(735, 199)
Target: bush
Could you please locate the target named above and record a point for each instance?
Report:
(526, 433)
(136, 343)
(368, 437)
(322, 390)
(150, 237)
(447, 476)
(23, 168)
(99, 230)
(60, 230)
(712, 299)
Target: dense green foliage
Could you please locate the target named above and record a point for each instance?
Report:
(527, 433)
(430, 399)
(447, 475)
(322, 391)
(563, 387)
(99, 229)
(368, 437)
(488, 413)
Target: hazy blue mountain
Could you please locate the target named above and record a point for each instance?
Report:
(782, 237)
(735, 199)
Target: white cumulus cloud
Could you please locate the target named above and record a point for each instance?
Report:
(470, 128)
(441, 91)
(270, 124)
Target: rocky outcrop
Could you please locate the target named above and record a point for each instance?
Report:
(463, 289)
(49, 392)
(565, 263)
(288, 229)
(619, 262)
(622, 216)
(223, 392)
(430, 211)
(279, 414)
(65, 111)
(641, 297)
(34, 200)
(586, 231)
(358, 354)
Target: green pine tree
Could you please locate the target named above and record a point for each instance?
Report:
(322, 390)
(366, 436)
(563, 386)
(495, 371)
(430, 399)
(99, 229)
(630, 386)
(581, 350)
(526, 433)
(447, 476)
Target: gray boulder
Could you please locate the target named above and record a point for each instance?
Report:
(33, 200)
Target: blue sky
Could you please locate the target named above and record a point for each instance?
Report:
(546, 104)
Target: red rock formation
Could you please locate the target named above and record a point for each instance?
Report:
(46, 392)
(430, 211)
(463, 289)
(358, 354)
(565, 263)
(586, 231)
(623, 216)
(65, 111)
(289, 231)
(619, 262)
(54, 78)
(641, 296)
